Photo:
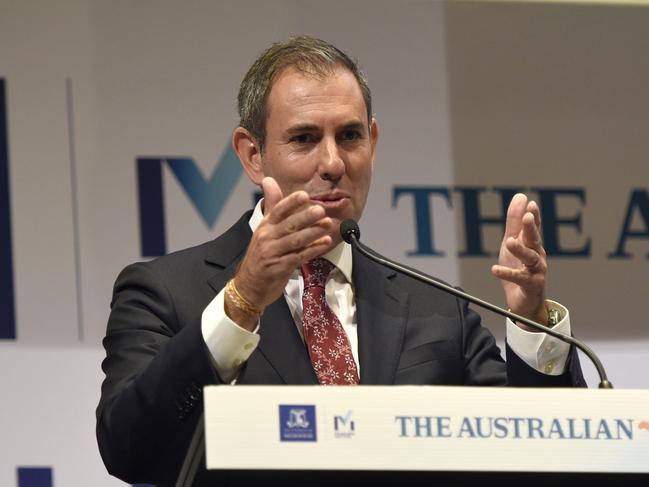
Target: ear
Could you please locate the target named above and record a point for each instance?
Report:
(249, 152)
(374, 137)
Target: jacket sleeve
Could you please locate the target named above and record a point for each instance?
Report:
(155, 369)
(483, 364)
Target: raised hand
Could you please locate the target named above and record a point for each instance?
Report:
(293, 231)
(522, 264)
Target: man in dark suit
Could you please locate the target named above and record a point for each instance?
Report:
(235, 310)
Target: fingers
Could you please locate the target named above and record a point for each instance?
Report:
(531, 275)
(282, 209)
(533, 208)
(293, 215)
(299, 241)
(519, 277)
(505, 273)
(294, 227)
(524, 221)
(316, 249)
(515, 212)
(305, 216)
(532, 257)
(531, 233)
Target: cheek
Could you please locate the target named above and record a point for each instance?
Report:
(361, 176)
(288, 167)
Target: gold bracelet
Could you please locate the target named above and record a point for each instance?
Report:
(239, 301)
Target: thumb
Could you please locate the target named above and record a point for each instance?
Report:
(272, 193)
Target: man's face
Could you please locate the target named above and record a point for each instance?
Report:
(318, 140)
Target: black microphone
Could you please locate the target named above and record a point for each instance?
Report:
(351, 234)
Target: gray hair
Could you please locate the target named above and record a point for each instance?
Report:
(306, 54)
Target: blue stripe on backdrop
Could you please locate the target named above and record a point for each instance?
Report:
(35, 477)
(152, 215)
(7, 311)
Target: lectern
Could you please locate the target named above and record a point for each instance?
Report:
(427, 429)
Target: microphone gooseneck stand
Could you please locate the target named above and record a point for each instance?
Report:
(195, 453)
(351, 234)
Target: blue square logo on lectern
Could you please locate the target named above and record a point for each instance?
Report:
(297, 423)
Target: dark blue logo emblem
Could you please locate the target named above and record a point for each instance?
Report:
(297, 423)
(344, 426)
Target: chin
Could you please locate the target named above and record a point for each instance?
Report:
(335, 232)
(340, 216)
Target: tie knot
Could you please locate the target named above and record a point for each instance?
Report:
(315, 272)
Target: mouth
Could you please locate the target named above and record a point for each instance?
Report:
(334, 200)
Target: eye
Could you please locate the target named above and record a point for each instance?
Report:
(303, 139)
(349, 135)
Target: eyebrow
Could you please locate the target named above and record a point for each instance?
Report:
(307, 127)
(354, 126)
(300, 128)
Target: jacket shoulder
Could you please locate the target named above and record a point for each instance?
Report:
(196, 260)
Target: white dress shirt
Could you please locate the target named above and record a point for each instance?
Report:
(231, 345)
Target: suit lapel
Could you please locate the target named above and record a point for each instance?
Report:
(382, 310)
(227, 250)
(280, 343)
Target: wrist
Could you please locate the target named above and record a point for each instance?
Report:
(240, 300)
(550, 316)
(238, 308)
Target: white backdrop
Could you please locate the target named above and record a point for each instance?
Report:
(466, 95)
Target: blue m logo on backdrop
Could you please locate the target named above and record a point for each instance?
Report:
(208, 196)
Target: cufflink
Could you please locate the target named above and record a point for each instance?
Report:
(553, 317)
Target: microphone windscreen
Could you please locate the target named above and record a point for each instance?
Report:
(347, 228)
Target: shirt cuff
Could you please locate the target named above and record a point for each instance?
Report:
(541, 351)
(229, 344)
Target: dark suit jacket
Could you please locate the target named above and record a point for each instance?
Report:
(157, 362)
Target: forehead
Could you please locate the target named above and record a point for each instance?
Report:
(295, 93)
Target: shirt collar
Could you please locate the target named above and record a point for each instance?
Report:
(340, 255)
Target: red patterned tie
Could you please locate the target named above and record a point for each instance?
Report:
(326, 340)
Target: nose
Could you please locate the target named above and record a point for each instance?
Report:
(331, 166)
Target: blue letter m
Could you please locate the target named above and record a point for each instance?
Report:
(208, 196)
